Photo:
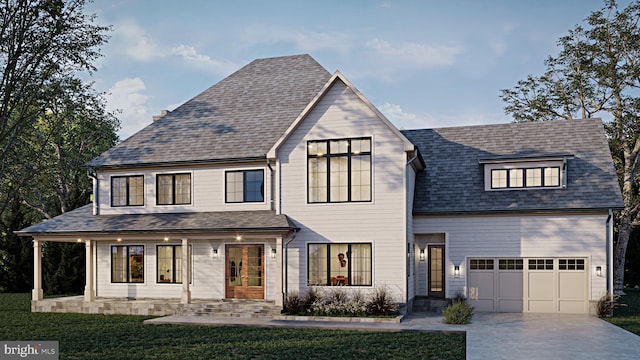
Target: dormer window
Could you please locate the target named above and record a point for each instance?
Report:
(541, 172)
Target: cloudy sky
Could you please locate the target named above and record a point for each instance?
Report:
(423, 63)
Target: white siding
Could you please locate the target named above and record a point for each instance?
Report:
(341, 114)
(520, 236)
(207, 185)
(208, 272)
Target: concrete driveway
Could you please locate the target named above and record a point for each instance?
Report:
(489, 336)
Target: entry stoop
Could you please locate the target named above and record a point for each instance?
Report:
(234, 308)
(421, 304)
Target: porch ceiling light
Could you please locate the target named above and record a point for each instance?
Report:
(166, 238)
(119, 239)
(79, 240)
(238, 237)
(421, 254)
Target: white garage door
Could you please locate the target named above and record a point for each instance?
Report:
(542, 285)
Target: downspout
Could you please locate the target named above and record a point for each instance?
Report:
(610, 256)
(272, 188)
(91, 172)
(408, 258)
(286, 262)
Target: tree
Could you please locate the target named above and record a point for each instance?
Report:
(51, 125)
(597, 72)
(43, 43)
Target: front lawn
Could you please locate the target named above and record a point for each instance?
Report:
(84, 336)
(627, 314)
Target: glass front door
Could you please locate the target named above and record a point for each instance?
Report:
(244, 275)
(436, 271)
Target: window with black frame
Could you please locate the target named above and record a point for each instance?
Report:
(339, 264)
(339, 170)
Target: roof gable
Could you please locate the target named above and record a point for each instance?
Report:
(453, 181)
(337, 76)
(240, 117)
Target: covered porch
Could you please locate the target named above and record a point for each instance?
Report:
(201, 241)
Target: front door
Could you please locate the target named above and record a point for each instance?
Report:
(436, 271)
(244, 274)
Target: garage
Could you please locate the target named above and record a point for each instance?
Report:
(540, 285)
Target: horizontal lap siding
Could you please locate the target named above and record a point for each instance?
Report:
(580, 236)
(341, 114)
(208, 190)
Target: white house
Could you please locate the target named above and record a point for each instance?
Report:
(283, 177)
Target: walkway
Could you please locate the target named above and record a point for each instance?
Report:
(489, 336)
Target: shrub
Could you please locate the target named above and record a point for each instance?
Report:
(310, 297)
(606, 304)
(459, 312)
(294, 303)
(337, 302)
(381, 303)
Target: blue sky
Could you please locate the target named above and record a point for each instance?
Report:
(423, 63)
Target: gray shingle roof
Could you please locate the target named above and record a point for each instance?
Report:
(453, 181)
(241, 116)
(82, 221)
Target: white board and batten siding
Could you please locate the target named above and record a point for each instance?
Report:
(554, 237)
(207, 189)
(208, 272)
(382, 222)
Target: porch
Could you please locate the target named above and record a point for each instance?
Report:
(158, 307)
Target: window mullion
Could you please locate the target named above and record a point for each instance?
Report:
(349, 171)
(328, 265)
(328, 173)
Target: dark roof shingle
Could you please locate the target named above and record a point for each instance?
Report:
(82, 221)
(453, 181)
(240, 117)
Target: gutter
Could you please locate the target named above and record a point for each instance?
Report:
(407, 235)
(609, 244)
(272, 188)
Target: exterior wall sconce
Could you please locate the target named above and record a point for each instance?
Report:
(598, 271)
(273, 253)
(214, 253)
(456, 271)
(421, 254)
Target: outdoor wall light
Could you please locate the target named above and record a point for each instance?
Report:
(273, 253)
(421, 254)
(214, 253)
(456, 271)
(598, 271)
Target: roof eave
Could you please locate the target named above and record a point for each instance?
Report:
(279, 229)
(517, 211)
(175, 163)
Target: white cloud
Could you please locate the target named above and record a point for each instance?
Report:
(415, 54)
(205, 62)
(135, 42)
(463, 117)
(305, 41)
(127, 98)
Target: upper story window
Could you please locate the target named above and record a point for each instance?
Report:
(533, 172)
(244, 186)
(339, 170)
(173, 189)
(525, 177)
(127, 190)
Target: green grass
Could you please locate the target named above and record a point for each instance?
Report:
(84, 336)
(627, 314)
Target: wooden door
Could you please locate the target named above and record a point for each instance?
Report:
(244, 275)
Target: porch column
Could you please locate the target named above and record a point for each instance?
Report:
(186, 272)
(279, 254)
(36, 294)
(89, 290)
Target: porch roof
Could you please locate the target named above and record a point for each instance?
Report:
(82, 221)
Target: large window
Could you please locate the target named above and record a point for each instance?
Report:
(174, 189)
(127, 264)
(169, 259)
(339, 264)
(244, 186)
(525, 177)
(339, 170)
(127, 190)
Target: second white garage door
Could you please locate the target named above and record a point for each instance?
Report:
(542, 285)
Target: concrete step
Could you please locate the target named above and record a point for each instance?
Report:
(429, 305)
